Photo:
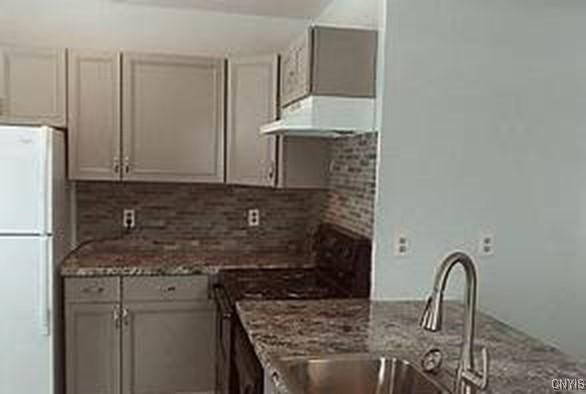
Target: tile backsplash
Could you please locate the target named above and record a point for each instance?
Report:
(352, 185)
(197, 216)
(214, 217)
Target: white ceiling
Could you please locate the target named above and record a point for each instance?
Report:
(305, 9)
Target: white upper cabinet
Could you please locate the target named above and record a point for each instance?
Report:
(32, 86)
(329, 61)
(295, 77)
(173, 118)
(252, 102)
(94, 115)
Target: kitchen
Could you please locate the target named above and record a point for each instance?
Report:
(251, 198)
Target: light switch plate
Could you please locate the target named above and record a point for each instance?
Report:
(486, 244)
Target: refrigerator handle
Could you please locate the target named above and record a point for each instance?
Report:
(44, 308)
(46, 169)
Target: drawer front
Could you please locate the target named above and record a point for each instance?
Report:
(163, 288)
(92, 289)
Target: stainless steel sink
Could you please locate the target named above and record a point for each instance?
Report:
(357, 374)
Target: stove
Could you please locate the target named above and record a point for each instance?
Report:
(342, 270)
(279, 284)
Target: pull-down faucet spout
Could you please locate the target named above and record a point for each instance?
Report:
(467, 379)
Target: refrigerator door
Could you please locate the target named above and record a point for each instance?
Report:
(27, 356)
(25, 168)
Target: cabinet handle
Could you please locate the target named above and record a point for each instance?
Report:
(93, 289)
(116, 316)
(1, 106)
(116, 165)
(125, 317)
(126, 165)
(271, 173)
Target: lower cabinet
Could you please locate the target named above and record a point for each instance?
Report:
(93, 349)
(168, 347)
(153, 335)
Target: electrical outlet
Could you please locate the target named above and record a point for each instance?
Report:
(401, 245)
(128, 219)
(253, 218)
(486, 245)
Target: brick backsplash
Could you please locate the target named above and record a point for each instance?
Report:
(196, 216)
(352, 185)
(214, 217)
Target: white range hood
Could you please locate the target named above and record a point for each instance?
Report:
(325, 117)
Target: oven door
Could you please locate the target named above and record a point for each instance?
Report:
(223, 340)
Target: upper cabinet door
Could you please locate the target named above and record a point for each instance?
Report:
(343, 62)
(296, 76)
(329, 61)
(32, 86)
(94, 115)
(173, 118)
(252, 102)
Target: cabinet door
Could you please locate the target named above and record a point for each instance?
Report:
(252, 102)
(343, 62)
(296, 72)
(168, 347)
(94, 115)
(32, 86)
(303, 162)
(173, 118)
(92, 348)
(288, 77)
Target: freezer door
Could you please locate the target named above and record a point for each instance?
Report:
(24, 179)
(26, 340)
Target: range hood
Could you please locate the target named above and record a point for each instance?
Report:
(324, 117)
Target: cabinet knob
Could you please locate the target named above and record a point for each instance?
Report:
(271, 171)
(116, 316)
(125, 316)
(116, 165)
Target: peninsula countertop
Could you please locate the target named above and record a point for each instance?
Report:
(281, 329)
(116, 261)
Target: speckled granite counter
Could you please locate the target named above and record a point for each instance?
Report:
(279, 329)
(100, 262)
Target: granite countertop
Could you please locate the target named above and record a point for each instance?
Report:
(116, 261)
(280, 329)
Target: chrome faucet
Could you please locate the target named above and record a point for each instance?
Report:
(468, 380)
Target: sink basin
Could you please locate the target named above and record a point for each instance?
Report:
(357, 374)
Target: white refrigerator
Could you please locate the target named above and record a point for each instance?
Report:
(33, 240)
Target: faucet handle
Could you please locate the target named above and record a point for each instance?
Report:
(480, 380)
